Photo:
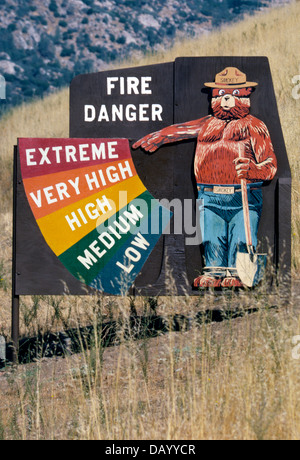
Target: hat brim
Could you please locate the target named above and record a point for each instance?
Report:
(248, 84)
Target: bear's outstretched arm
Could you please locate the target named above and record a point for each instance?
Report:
(173, 133)
(264, 164)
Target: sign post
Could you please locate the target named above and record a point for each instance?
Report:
(15, 298)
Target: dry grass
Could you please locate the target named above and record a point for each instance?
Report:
(233, 380)
(42, 118)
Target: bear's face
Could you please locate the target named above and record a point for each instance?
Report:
(231, 103)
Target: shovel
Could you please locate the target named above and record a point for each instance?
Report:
(250, 266)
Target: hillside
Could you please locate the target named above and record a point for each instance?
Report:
(44, 44)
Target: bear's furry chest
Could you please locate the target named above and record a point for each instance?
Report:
(219, 143)
(221, 131)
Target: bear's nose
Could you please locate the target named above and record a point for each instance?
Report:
(227, 98)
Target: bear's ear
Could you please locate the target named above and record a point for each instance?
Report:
(244, 92)
(250, 90)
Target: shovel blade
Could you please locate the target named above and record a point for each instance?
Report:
(250, 268)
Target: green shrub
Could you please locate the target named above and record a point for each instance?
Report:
(12, 27)
(68, 51)
(121, 40)
(88, 2)
(83, 40)
(53, 6)
(62, 23)
(68, 35)
(39, 20)
(90, 11)
(83, 66)
(46, 47)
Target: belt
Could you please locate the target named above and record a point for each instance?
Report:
(225, 190)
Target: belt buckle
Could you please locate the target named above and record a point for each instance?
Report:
(223, 190)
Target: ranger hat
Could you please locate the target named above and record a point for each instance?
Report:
(231, 77)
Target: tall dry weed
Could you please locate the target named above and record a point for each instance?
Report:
(234, 380)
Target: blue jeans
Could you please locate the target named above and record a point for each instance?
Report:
(222, 223)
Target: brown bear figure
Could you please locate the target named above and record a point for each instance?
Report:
(231, 145)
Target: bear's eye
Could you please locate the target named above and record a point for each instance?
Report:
(235, 92)
(221, 92)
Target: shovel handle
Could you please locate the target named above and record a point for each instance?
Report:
(246, 210)
(246, 215)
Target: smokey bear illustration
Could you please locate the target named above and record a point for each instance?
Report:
(233, 148)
